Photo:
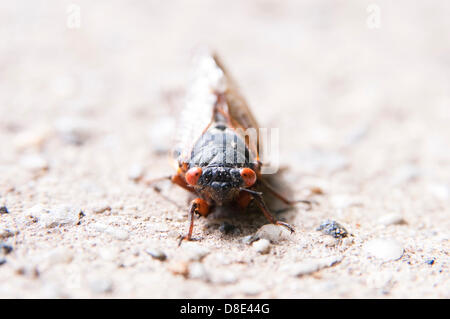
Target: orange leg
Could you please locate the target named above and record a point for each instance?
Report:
(180, 181)
(198, 206)
(243, 200)
(262, 205)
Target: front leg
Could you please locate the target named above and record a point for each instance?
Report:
(262, 205)
(284, 199)
(200, 207)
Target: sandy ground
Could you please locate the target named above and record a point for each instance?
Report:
(363, 115)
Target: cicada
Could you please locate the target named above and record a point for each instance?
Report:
(214, 156)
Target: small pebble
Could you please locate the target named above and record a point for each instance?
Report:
(251, 288)
(392, 219)
(35, 138)
(440, 191)
(224, 277)
(262, 246)
(333, 228)
(405, 174)
(34, 163)
(101, 285)
(156, 254)
(195, 252)
(310, 266)
(99, 208)
(2, 261)
(248, 239)
(197, 270)
(179, 268)
(384, 249)
(72, 130)
(136, 172)
(3, 210)
(273, 233)
(59, 256)
(430, 261)
(99, 227)
(5, 249)
(58, 216)
(343, 201)
(117, 233)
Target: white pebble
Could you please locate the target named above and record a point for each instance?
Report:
(262, 246)
(156, 253)
(344, 201)
(384, 249)
(194, 252)
(224, 277)
(273, 233)
(58, 216)
(31, 139)
(99, 208)
(73, 130)
(99, 227)
(440, 191)
(310, 266)
(135, 172)
(59, 256)
(34, 162)
(251, 288)
(117, 233)
(198, 271)
(101, 285)
(391, 219)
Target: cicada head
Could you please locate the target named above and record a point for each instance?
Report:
(220, 184)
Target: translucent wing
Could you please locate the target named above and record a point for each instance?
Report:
(209, 79)
(206, 78)
(237, 106)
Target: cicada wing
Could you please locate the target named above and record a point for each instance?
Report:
(238, 109)
(196, 116)
(210, 79)
(237, 105)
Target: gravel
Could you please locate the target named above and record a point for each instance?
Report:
(262, 246)
(384, 249)
(156, 253)
(273, 233)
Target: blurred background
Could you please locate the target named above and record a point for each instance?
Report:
(359, 89)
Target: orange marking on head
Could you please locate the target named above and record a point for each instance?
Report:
(193, 175)
(248, 176)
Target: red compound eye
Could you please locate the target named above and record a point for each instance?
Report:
(249, 176)
(193, 175)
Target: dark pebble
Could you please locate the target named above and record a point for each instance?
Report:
(333, 228)
(227, 228)
(5, 249)
(430, 261)
(156, 254)
(3, 210)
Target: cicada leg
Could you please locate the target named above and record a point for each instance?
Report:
(284, 199)
(198, 206)
(262, 205)
(176, 179)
